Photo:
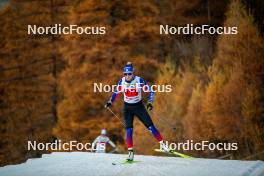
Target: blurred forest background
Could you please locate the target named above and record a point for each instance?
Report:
(46, 90)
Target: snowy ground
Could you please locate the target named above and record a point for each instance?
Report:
(91, 164)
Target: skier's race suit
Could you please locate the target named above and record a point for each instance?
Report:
(100, 143)
(132, 91)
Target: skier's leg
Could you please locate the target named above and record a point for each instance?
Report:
(129, 118)
(129, 138)
(155, 133)
(144, 117)
(129, 141)
(159, 138)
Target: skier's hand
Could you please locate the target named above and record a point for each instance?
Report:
(149, 106)
(108, 104)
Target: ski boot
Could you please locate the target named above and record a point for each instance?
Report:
(130, 157)
(164, 147)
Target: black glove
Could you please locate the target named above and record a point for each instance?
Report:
(149, 106)
(108, 104)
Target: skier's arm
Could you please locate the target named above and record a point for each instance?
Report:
(95, 142)
(145, 87)
(112, 144)
(117, 91)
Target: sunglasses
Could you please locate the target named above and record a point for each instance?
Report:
(127, 74)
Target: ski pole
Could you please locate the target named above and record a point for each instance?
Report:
(163, 120)
(116, 116)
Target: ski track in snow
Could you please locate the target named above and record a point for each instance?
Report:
(93, 164)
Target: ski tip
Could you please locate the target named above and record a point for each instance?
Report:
(130, 162)
(175, 153)
(126, 162)
(158, 150)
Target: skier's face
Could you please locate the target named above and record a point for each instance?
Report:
(128, 76)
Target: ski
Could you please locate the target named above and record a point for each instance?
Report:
(126, 162)
(174, 153)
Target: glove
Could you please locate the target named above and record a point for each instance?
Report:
(108, 104)
(149, 106)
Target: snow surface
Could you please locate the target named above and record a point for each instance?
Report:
(92, 164)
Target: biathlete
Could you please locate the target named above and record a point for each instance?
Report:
(132, 86)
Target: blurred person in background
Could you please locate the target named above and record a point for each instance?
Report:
(101, 142)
